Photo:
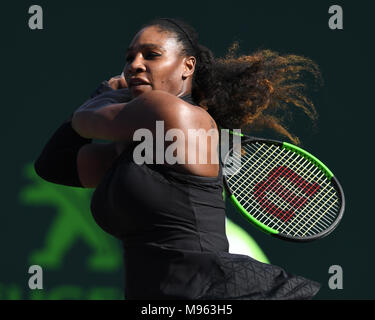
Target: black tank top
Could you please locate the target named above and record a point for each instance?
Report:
(172, 226)
(144, 204)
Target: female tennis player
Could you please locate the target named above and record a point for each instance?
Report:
(170, 217)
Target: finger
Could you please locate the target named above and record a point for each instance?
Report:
(123, 83)
(118, 82)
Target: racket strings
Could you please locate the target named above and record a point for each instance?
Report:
(243, 192)
(318, 217)
(294, 208)
(268, 219)
(265, 216)
(285, 194)
(292, 181)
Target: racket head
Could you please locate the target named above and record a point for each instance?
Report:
(283, 190)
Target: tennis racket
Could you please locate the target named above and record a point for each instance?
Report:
(283, 189)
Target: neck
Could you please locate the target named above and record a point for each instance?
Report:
(185, 88)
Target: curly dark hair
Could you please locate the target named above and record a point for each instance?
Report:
(245, 91)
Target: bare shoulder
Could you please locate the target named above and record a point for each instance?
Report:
(163, 102)
(201, 118)
(195, 123)
(177, 111)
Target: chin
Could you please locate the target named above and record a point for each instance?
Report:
(138, 90)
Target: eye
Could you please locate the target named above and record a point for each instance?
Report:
(151, 55)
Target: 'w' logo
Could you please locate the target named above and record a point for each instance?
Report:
(271, 192)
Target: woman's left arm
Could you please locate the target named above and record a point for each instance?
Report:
(112, 92)
(119, 121)
(103, 107)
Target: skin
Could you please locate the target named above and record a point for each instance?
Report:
(161, 64)
(155, 56)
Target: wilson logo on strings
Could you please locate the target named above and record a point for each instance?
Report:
(272, 193)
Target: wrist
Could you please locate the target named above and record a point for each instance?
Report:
(103, 87)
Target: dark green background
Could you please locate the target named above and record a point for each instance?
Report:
(46, 74)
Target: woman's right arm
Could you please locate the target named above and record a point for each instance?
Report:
(57, 162)
(72, 160)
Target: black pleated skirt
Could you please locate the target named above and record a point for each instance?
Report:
(158, 273)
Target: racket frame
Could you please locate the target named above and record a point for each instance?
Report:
(335, 183)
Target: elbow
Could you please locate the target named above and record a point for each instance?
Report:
(42, 169)
(38, 167)
(58, 173)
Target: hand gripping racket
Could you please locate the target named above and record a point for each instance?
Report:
(283, 189)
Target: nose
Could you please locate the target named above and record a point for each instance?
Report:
(137, 65)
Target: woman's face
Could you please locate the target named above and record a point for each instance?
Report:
(153, 62)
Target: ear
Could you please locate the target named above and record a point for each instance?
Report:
(189, 67)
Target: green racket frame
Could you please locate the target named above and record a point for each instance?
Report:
(330, 176)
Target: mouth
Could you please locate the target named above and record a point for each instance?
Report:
(137, 82)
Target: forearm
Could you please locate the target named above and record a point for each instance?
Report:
(107, 96)
(98, 111)
(57, 162)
